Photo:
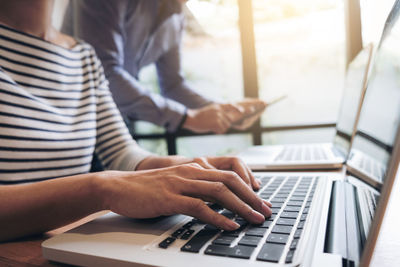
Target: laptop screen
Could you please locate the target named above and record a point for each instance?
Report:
(380, 113)
(353, 93)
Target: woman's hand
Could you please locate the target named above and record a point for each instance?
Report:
(184, 189)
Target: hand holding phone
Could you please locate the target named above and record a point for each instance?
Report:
(254, 112)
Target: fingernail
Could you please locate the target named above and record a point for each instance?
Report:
(266, 210)
(258, 182)
(231, 225)
(268, 203)
(256, 186)
(258, 216)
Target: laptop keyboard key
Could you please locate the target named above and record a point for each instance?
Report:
(289, 215)
(229, 214)
(294, 198)
(265, 224)
(188, 225)
(278, 200)
(292, 209)
(242, 222)
(187, 234)
(234, 233)
(166, 242)
(294, 244)
(295, 203)
(297, 234)
(217, 250)
(224, 240)
(178, 232)
(243, 252)
(289, 256)
(251, 241)
(256, 231)
(277, 238)
(285, 221)
(198, 241)
(282, 229)
(270, 252)
(275, 210)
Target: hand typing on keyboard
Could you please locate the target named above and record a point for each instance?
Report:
(183, 189)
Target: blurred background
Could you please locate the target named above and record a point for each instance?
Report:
(301, 50)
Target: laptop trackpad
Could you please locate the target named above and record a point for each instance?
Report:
(112, 222)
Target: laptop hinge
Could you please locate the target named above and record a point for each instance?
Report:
(348, 263)
(343, 231)
(335, 238)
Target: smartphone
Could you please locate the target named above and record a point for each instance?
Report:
(276, 100)
(269, 103)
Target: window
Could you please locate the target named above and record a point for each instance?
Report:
(211, 61)
(300, 52)
(211, 49)
(216, 145)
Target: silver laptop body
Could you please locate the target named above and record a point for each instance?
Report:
(320, 156)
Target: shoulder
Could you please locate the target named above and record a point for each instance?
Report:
(66, 41)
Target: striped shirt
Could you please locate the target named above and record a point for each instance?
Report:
(55, 111)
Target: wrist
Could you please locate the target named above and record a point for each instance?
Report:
(101, 189)
(190, 115)
(182, 121)
(156, 162)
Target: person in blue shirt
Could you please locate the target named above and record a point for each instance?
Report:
(130, 34)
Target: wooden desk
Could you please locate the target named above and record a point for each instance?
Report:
(28, 253)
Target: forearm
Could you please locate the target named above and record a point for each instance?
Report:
(39, 207)
(139, 103)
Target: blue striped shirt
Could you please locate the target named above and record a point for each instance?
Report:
(55, 111)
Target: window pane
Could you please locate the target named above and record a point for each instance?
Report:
(148, 79)
(211, 49)
(216, 145)
(212, 63)
(157, 146)
(300, 53)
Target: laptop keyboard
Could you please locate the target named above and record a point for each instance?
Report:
(274, 240)
(301, 153)
(372, 167)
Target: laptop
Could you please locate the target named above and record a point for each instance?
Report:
(372, 144)
(320, 156)
(318, 219)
